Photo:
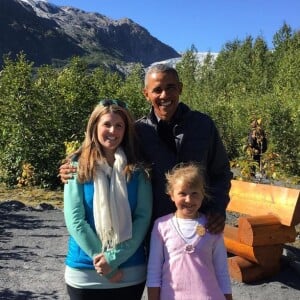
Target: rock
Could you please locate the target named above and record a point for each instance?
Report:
(12, 205)
(45, 206)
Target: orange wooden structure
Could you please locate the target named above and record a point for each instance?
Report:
(264, 230)
(268, 215)
(245, 271)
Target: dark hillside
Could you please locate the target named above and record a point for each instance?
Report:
(46, 33)
(22, 30)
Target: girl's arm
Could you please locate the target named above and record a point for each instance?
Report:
(221, 267)
(155, 264)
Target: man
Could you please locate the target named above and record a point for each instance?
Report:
(257, 143)
(172, 133)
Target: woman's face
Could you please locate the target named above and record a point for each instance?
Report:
(111, 130)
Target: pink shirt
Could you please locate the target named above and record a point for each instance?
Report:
(197, 272)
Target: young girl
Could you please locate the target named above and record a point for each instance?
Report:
(107, 209)
(186, 261)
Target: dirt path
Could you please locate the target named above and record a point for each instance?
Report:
(33, 247)
(32, 252)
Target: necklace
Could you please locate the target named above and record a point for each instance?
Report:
(197, 228)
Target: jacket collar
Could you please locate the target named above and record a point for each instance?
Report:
(181, 111)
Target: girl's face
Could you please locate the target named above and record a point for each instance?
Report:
(110, 130)
(187, 200)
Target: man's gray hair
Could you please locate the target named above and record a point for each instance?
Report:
(160, 68)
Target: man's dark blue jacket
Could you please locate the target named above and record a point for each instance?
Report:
(196, 139)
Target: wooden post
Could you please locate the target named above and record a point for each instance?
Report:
(263, 255)
(264, 230)
(268, 216)
(243, 270)
(259, 199)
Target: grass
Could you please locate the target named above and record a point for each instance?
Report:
(31, 196)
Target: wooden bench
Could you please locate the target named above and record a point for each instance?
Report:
(267, 218)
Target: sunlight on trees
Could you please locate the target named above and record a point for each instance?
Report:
(43, 109)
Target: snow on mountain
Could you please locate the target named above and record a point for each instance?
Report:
(200, 56)
(32, 2)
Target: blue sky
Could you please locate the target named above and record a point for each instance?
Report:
(206, 24)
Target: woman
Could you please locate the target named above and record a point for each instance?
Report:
(107, 209)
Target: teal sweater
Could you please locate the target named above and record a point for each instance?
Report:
(84, 243)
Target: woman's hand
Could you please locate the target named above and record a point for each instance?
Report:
(103, 268)
(101, 265)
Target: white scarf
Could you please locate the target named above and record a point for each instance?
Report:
(112, 214)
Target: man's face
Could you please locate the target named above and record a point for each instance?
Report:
(163, 91)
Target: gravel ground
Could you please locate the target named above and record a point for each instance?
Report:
(33, 247)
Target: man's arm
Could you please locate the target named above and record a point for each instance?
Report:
(66, 171)
(219, 176)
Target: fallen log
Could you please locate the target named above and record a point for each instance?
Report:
(242, 270)
(264, 230)
(263, 255)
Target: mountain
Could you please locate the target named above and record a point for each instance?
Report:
(49, 34)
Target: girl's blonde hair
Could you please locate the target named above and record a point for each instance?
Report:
(91, 151)
(190, 174)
